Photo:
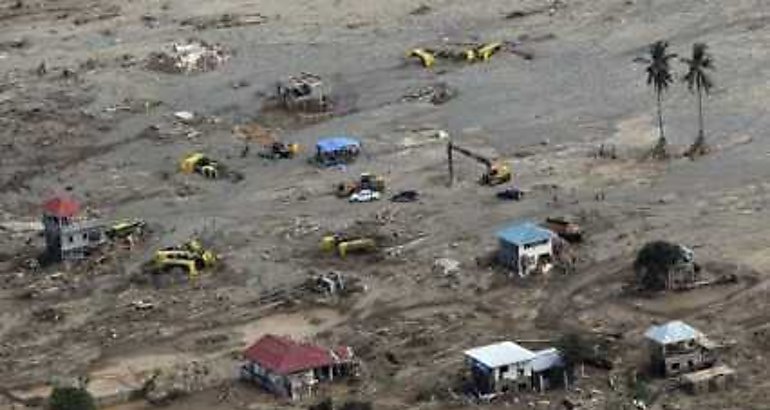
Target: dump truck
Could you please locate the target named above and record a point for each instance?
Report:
(564, 227)
(496, 172)
(366, 181)
(188, 259)
(344, 245)
(199, 163)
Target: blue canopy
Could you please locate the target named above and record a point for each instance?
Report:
(333, 144)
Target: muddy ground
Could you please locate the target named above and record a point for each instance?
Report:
(95, 121)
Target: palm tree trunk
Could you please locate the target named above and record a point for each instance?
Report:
(701, 137)
(660, 147)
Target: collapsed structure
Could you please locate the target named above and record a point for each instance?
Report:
(293, 369)
(506, 367)
(185, 58)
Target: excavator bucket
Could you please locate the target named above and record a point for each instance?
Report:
(426, 57)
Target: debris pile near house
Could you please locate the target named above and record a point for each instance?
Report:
(185, 58)
(167, 385)
(708, 380)
(436, 94)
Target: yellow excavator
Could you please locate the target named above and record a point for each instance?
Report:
(366, 181)
(468, 52)
(344, 245)
(496, 173)
(189, 258)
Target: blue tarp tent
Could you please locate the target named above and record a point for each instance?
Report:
(336, 150)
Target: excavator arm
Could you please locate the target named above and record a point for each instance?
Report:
(495, 172)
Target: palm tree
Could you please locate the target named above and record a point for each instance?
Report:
(698, 81)
(659, 77)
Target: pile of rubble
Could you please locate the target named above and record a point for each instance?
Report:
(436, 94)
(184, 58)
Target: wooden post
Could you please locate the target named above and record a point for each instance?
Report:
(449, 159)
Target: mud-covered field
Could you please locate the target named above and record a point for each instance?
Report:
(81, 112)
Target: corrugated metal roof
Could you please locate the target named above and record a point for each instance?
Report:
(547, 359)
(672, 332)
(523, 233)
(332, 144)
(500, 354)
(285, 356)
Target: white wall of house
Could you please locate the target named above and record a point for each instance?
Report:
(514, 371)
(534, 252)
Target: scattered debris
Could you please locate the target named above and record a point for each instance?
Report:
(224, 21)
(446, 266)
(406, 196)
(436, 94)
(189, 57)
(421, 10)
(185, 116)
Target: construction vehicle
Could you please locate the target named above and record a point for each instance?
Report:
(466, 52)
(345, 245)
(564, 227)
(125, 229)
(305, 92)
(280, 150)
(366, 181)
(426, 57)
(496, 172)
(188, 259)
(199, 163)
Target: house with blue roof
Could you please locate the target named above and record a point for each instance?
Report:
(525, 248)
(676, 348)
(333, 151)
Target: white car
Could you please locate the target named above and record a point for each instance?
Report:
(365, 195)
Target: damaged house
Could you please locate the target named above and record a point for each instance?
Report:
(677, 348)
(67, 236)
(507, 367)
(293, 369)
(525, 248)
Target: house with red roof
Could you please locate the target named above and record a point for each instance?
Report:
(66, 235)
(293, 369)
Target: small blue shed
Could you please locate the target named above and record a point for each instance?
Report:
(524, 246)
(337, 150)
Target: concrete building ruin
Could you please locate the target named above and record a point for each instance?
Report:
(677, 348)
(68, 237)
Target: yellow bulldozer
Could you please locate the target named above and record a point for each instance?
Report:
(344, 245)
(366, 181)
(188, 259)
(199, 163)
